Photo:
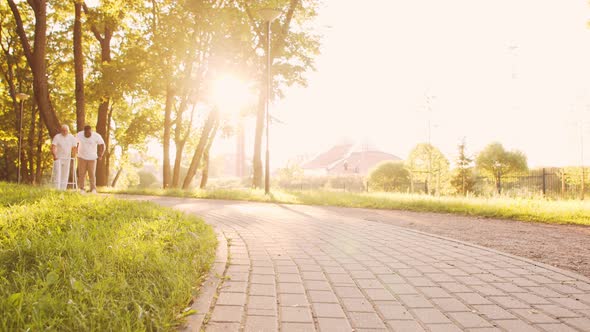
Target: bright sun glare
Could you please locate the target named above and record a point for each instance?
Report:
(231, 94)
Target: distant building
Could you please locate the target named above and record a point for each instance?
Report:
(346, 159)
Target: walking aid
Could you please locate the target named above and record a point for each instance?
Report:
(56, 178)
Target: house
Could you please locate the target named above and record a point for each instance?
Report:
(346, 159)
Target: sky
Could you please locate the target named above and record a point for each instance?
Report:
(512, 71)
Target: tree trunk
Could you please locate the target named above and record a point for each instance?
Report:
(31, 148)
(257, 157)
(205, 175)
(166, 140)
(116, 179)
(103, 112)
(211, 119)
(179, 141)
(79, 68)
(37, 62)
(39, 157)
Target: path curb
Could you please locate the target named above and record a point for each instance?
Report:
(202, 303)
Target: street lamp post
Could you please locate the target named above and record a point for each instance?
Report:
(20, 97)
(268, 15)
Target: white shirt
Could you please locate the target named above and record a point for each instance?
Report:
(87, 145)
(64, 145)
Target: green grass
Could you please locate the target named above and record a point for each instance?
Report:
(535, 210)
(74, 262)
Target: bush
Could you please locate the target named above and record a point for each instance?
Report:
(90, 263)
(389, 176)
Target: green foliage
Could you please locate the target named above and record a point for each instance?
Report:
(495, 162)
(426, 163)
(90, 263)
(389, 176)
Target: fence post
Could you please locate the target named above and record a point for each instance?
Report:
(499, 183)
(544, 182)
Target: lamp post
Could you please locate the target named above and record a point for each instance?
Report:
(268, 15)
(20, 97)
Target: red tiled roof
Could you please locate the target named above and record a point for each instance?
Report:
(326, 159)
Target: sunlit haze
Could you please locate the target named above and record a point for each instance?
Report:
(516, 72)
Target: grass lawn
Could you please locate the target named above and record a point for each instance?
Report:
(537, 210)
(74, 262)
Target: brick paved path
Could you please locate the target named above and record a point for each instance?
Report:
(300, 268)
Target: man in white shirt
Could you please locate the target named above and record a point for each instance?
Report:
(63, 149)
(88, 144)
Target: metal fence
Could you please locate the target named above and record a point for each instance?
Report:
(557, 183)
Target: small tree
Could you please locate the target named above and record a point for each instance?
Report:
(427, 163)
(495, 162)
(463, 180)
(389, 176)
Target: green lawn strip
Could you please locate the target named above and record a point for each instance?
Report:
(76, 262)
(534, 210)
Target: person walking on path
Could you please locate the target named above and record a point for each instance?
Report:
(63, 149)
(90, 148)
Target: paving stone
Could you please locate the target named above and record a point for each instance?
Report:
(291, 288)
(317, 285)
(402, 289)
(393, 311)
(369, 320)
(415, 301)
(434, 292)
(262, 279)
(231, 299)
(340, 279)
(444, 328)
(295, 314)
(333, 324)
(297, 327)
(469, 319)
(261, 324)
(509, 302)
(557, 311)
(222, 327)
(516, 325)
(405, 326)
(450, 304)
(348, 292)
(534, 316)
(262, 302)
(322, 297)
(430, 316)
(571, 303)
(293, 300)
(582, 323)
(261, 289)
(333, 310)
(228, 314)
(289, 277)
(492, 311)
(379, 294)
(313, 275)
(555, 328)
(455, 287)
(357, 305)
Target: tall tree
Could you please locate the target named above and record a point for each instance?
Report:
(36, 59)
(79, 66)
